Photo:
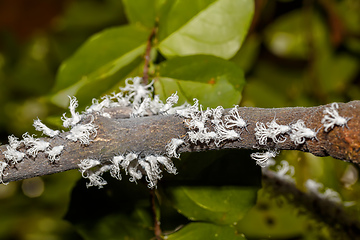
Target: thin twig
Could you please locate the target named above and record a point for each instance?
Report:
(157, 229)
(147, 56)
(338, 30)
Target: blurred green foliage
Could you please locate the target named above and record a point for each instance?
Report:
(291, 53)
(213, 80)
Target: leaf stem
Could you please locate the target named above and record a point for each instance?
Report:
(157, 229)
(147, 56)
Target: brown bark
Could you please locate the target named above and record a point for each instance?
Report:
(149, 135)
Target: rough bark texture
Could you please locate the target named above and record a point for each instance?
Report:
(149, 135)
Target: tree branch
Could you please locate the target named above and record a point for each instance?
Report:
(149, 135)
(326, 210)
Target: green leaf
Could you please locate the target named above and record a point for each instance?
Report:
(103, 60)
(221, 205)
(288, 36)
(121, 211)
(196, 230)
(269, 218)
(273, 85)
(141, 12)
(229, 167)
(205, 27)
(261, 94)
(117, 226)
(248, 54)
(176, 13)
(336, 71)
(216, 186)
(79, 15)
(349, 12)
(212, 80)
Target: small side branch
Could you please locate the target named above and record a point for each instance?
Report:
(157, 229)
(323, 209)
(147, 56)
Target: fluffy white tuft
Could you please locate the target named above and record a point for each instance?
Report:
(135, 174)
(189, 110)
(87, 164)
(82, 132)
(314, 187)
(115, 168)
(299, 132)
(54, 153)
(11, 154)
(41, 127)
(151, 176)
(126, 162)
(97, 107)
(169, 165)
(141, 109)
(35, 145)
(137, 92)
(75, 116)
(285, 170)
(172, 146)
(3, 165)
(95, 178)
(224, 134)
(234, 119)
(170, 101)
(135, 167)
(272, 130)
(14, 142)
(333, 118)
(263, 158)
(217, 114)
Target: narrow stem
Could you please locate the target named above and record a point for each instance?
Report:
(157, 229)
(147, 56)
(335, 22)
